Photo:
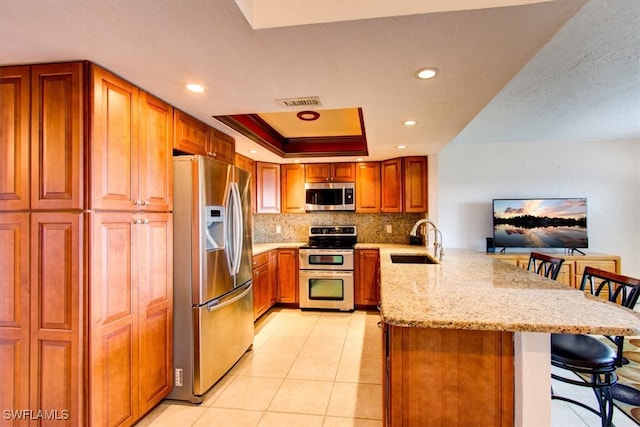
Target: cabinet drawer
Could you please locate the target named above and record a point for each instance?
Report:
(260, 259)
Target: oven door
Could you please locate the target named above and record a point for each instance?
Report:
(326, 259)
(326, 289)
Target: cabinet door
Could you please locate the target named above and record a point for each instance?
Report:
(14, 310)
(14, 139)
(317, 172)
(293, 179)
(57, 311)
(190, 134)
(368, 187)
(113, 319)
(267, 187)
(260, 290)
(288, 276)
(392, 188)
(114, 142)
(273, 277)
(366, 276)
(249, 165)
(343, 172)
(415, 184)
(155, 308)
(57, 136)
(155, 179)
(222, 147)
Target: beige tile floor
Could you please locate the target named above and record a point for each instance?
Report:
(315, 369)
(306, 368)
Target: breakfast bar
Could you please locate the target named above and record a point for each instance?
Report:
(466, 341)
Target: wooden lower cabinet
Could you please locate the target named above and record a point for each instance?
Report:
(261, 284)
(366, 275)
(130, 318)
(287, 275)
(14, 311)
(447, 377)
(41, 314)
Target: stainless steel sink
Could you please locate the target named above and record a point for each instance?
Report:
(412, 259)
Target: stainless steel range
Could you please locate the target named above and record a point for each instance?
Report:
(326, 268)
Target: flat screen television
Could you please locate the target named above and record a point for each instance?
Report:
(540, 223)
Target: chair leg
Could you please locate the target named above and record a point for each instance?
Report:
(605, 403)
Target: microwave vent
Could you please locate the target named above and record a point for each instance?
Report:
(310, 101)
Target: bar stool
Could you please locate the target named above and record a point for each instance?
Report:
(593, 361)
(545, 265)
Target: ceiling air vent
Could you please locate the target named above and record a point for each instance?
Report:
(310, 101)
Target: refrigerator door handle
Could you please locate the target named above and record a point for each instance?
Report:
(238, 227)
(228, 232)
(218, 304)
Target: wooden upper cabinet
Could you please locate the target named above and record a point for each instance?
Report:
(415, 184)
(190, 134)
(58, 102)
(131, 158)
(392, 185)
(221, 146)
(330, 172)
(14, 138)
(293, 196)
(249, 165)
(267, 187)
(155, 166)
(114, 142)
(368, 187)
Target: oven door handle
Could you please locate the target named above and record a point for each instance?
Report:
(327, 272)
(326, 251)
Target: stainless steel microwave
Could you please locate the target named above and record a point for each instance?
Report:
(330, 196)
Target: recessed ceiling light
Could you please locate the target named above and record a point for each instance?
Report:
(426, 73)
(401, 146)
(253, 151)
(296, 161)
(194, 87)
(359, 159)
(409, 122)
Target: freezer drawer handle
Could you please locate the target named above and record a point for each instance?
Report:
(215, 305)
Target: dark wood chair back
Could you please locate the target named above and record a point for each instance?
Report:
(545, 265)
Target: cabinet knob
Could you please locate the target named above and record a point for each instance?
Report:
(136, 202)
(146, 203)
(145, 221)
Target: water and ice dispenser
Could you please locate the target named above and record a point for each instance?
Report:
(214, 227)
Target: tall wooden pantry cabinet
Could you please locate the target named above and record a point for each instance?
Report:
(86, 225)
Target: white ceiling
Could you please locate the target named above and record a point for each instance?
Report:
(489, 88)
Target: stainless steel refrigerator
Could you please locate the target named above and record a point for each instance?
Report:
(213, 290)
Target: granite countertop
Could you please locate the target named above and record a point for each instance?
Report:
(470, 290)
(258, 248)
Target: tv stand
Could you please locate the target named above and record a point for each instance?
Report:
(573, 267)
(503, 250)
(572, 250)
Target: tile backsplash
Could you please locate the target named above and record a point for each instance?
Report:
(371, 227)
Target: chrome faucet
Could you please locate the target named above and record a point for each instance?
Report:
(438, 250)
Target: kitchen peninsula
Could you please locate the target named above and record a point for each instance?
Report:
(466, 341)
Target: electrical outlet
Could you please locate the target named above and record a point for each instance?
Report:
(389, 228)
(178, 377)
(278, 229)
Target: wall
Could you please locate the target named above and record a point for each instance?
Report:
(371, 227)
(606, 173)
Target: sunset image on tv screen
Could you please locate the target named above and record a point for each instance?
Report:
(540, 223)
